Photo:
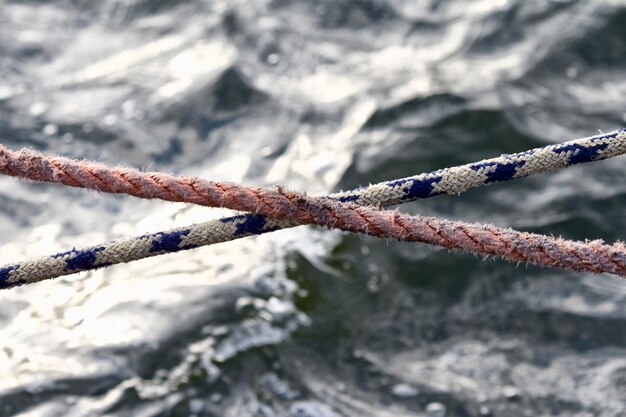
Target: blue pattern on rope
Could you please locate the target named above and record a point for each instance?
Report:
(417, 188)
(4, 277)
(168, 241)
(349, 198)
(502, 172)
(582, 154)
(82, 259)
(252, 224)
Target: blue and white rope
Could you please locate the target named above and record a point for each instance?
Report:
(445, 181)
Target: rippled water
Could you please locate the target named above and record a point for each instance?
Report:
(316, 95)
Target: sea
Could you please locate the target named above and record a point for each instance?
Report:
(315, 96)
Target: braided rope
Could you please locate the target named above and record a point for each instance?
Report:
(297, 209)
(509, 244)
(36, 166)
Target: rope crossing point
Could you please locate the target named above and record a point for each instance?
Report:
(278, 209)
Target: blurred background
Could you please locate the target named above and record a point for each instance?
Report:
(318, 96)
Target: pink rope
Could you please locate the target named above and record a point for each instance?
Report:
(509, 244)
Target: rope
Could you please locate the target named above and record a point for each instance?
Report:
(508, 244)
(32, 165)
(299, 209)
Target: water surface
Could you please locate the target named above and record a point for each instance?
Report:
(317, 96)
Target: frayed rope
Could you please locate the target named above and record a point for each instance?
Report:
(278, 209)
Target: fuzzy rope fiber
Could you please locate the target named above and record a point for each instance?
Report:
(274, 209)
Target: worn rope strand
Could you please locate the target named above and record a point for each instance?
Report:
(497, 169)
(508, 244)
(33, 165)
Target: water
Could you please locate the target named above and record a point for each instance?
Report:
(317, 96)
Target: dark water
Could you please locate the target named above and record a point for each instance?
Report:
(318, 96)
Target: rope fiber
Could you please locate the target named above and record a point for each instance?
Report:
(275, 209)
